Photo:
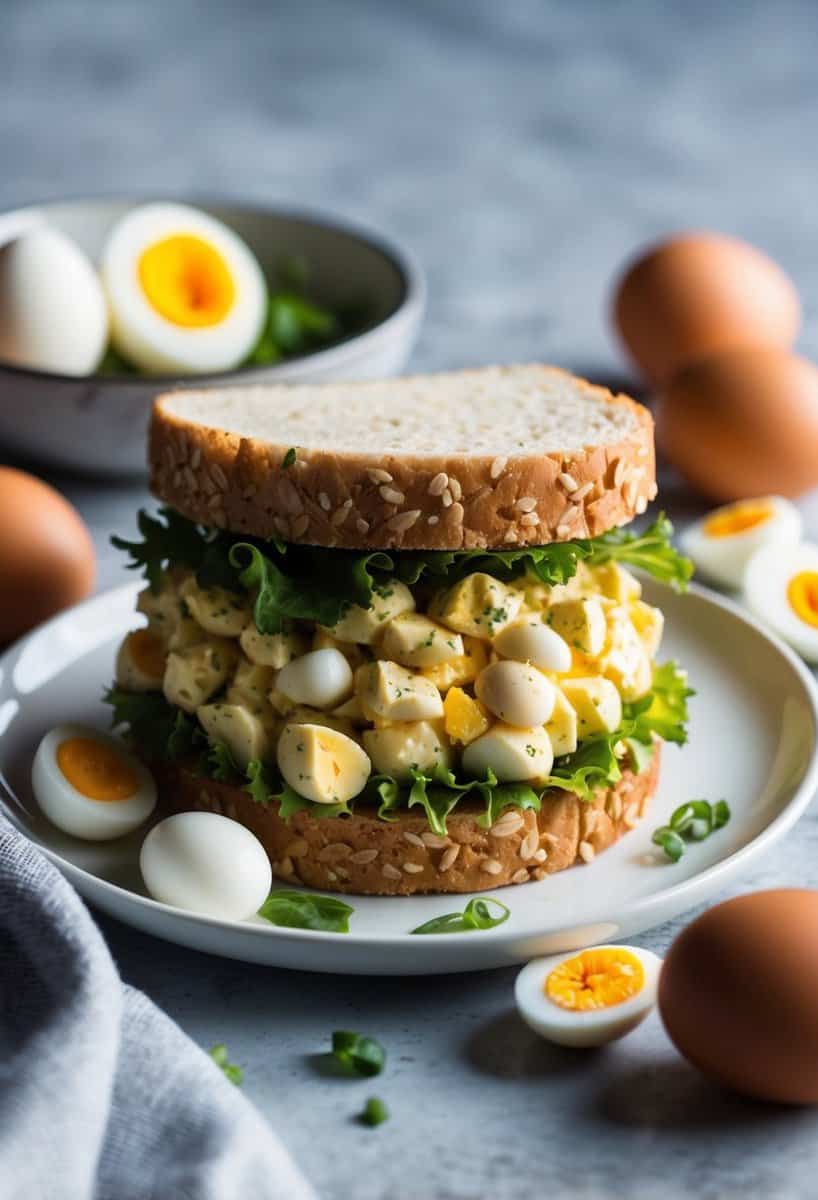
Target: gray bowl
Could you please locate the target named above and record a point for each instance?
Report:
(97, 424)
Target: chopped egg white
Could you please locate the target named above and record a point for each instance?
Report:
(722, 543)
(781, 589)
(89, 785)
(207, 864)
(322, 764)
(588, 998)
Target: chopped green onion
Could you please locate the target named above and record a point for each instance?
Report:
(358, 1053)
(476, 915)
(691, 822)
(375, 1112)
(230, 1070)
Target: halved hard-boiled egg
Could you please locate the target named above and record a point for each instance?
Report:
(722, 543)
(186, 294)
(588, 998)
(206, 863)
(781, 588)
(89, 785)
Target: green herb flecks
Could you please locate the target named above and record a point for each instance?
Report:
(476, 915)
(691, 822)
(230, 1070)
(302, 910)
(357, 1053)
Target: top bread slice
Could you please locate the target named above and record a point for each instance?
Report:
(495, 457)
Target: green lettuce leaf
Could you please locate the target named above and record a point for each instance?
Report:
(650, 551)
(167, 540)
(301, 910)
(162, 731)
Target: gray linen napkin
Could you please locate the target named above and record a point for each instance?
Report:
(102, 1097)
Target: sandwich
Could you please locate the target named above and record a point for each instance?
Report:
(394, 628)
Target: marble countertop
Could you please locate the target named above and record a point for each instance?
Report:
(522, 150)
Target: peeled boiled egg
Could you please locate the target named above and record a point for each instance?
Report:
(781, 588)
(743, 423)
(47, 557)
(207, 864)
(516, 692)
(320, 678)
(722, 543)
(530, 640)
(53, 315)
(737, 994)
(186, 294)
(589, 998)
(698, 293)
(89, 785)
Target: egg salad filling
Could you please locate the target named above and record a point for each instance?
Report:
(324, 679)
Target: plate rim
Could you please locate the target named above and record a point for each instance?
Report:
(499, 936)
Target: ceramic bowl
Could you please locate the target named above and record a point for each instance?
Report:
(97, 424)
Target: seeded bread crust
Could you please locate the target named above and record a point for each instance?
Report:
(405, 501)
(366, 856)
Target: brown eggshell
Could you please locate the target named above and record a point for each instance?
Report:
(743, 423)
(738, 995)
(46, 554)
(699, 293)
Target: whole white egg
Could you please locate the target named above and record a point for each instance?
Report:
(53, 314)
(321, 678)
(588, 998)
(781, 588)
(516, 692)
(722, 543)
(89, 785)
(186, 294)
(207, 864)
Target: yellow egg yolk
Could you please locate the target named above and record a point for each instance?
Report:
(595, 979)
(96, 770)
(802, 595)
(147, 652)
(738, 518)
(186, 281)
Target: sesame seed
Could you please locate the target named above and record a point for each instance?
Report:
(539, 856)
(448, 857)
(403, 521)
(631, 816)
(363, 856)
(432, 520)
(389, 871)
(529, 518)
(190, 479)
(525, 504)
(510, 536)
(498, 466)
(434, 841)
(530, 845)
(456, 513)
(568, 482)
(300, 525)
(641, 505)
(540, 873)
(391, 495)
(587, 852)
(581, 492)
(590, 819)
(285, 867)
(615, 808)
(507, 826)
(339, 516)
(490, 866)
(446, 497)
(629, 492)
(551, 838)
(343, 873)
(361, 525)
(438, 484)
(334, 850)
(214, 502)
(413, 839)
(412, 868)
(196, 458)
(219, 476)
(562, 531)
(455, 488)
(323, 500)
(520, 876)
(378, 476)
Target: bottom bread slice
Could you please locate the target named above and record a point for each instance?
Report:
(364, 855)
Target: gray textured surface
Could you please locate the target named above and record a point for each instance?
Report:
(522, 149)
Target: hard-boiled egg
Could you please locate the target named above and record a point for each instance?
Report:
(589, 998)
(781, 588)
(207, 864)
(186, 294)
(321, 678)
(722, 543)
(53, 315)
(516, 693)
(528, 639)
(322, 764)
(514, 755)
(89, 785)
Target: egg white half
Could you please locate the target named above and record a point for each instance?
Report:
(766, 584)
(723, 559)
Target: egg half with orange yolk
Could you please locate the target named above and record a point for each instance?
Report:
(781, 588)
(588, 998)
(186, 294)
(89, 785)
(722, 543)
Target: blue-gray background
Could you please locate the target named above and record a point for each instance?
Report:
(522, 149)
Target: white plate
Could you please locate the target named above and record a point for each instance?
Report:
(753, 741)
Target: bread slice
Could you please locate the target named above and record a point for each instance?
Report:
(364, 855)
(495, 457)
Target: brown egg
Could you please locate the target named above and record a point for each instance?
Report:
(46, 554)
(737, 994)
(743, 423)
(699, 293)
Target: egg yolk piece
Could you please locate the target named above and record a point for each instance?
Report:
(148, 652)
(802, 596)
(187, 281)
(595, 979)
(95, 770)
(738, 518)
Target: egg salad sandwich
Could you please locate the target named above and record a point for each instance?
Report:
(393, 629)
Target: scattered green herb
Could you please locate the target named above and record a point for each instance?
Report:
(358, 1053)
(476, 915)
(301, 910)
(375, 1112)
(289, 458)
(220, 1058)
(691, 822)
